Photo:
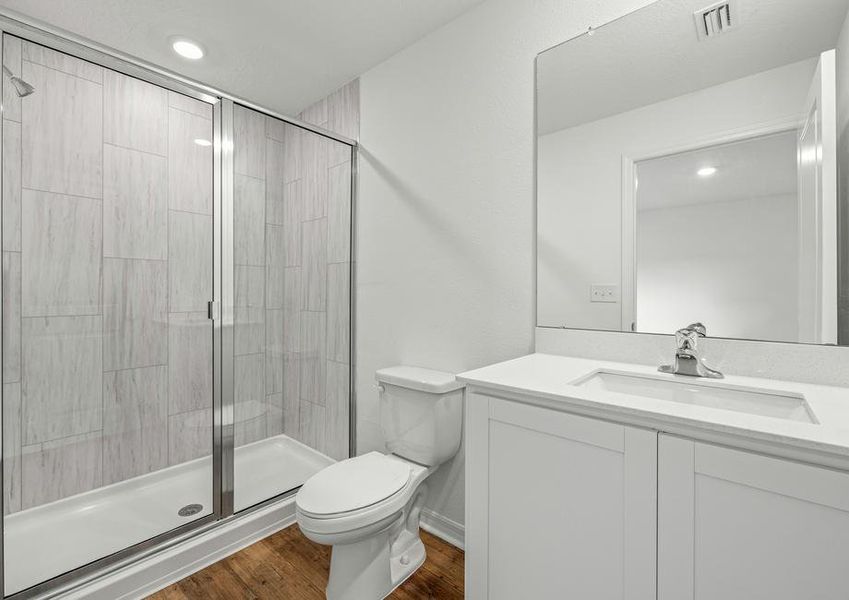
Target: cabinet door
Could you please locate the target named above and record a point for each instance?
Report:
(558, 506)
(734, 525)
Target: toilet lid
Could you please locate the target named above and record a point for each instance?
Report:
(353, 484)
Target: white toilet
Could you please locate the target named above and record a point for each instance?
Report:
(368, 507)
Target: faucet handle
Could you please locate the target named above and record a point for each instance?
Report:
(696, 328)
(687, 337)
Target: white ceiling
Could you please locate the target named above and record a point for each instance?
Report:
(755, 168)
(654, 54)
(282, 54)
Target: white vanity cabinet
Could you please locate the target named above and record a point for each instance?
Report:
(734, 525)
(559, 505)
(567, 506)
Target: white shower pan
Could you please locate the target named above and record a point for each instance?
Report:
(48, 540)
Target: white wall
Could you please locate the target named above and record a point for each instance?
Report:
(580, 180)
(744, 287)
(445, 274)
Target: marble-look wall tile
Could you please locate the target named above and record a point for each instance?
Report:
(11, 447)
(62, 373)
(12, 54)
(62, 138)
(339, 214)
(249, 142)
(189, 261)
(275, 182)
(11, 185)
(249, 309)
(343, 110)
(252, 430)
(275, 129)
(313, 325)
(189, 436)
(274, 419)
(135, 113)
(312, 430)
(61, 259)
(60, 61)
(190, 105)
(135, 423)
(314, 274)
(293, 167)
(135, 204)
(315, 179)
(61, 468)
(249, 221)
(293, 216)
(291, 401)
(315, 114)
(189, 362)
(292, 290)
(274, 351)
(275, 264)
(189, 163)
(135, 313)
(338, 311)
(338, 410)
(291, 330)
(11, 316)
(249, 396)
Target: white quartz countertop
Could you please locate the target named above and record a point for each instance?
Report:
(547, 379)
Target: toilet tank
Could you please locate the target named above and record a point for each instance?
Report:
(421, 413)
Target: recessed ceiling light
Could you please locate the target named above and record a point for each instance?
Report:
(706, 171)
(202, 142)
(187, 49)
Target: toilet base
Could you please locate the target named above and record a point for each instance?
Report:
(372, 568)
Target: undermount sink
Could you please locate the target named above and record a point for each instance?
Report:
(755, 401)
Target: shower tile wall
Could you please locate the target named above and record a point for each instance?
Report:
(107, 249)
(292, 255)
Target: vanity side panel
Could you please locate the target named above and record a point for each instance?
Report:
(477, 504)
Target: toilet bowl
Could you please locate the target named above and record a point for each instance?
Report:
(368, 507)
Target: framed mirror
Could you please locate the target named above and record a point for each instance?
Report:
(692, 162)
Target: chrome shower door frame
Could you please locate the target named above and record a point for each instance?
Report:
(222, 400)
(221, 307)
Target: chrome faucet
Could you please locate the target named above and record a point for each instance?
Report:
(688, 360)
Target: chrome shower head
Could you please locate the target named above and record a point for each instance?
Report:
(22, 88)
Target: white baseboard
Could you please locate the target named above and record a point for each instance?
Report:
(444, 528)
(160, 570)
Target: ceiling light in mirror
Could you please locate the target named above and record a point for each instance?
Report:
(706, 171)
(202, 142)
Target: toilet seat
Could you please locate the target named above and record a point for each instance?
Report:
(353, 484)
(364, 492)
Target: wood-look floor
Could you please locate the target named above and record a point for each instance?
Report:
(287, 566)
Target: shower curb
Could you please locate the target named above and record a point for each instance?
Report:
(159, 570)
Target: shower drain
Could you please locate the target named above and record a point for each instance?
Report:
(190, 509)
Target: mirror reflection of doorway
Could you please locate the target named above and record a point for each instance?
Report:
(716, 239)
(740, 234)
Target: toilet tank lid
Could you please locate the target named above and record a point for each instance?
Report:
(417, 378)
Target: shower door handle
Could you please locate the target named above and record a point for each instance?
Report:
(213, 310)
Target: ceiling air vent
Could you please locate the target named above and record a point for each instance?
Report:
(716, 19)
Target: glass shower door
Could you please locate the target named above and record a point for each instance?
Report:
(292, 256)
(107, 253)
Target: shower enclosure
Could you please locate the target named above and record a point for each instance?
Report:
(176, 306)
